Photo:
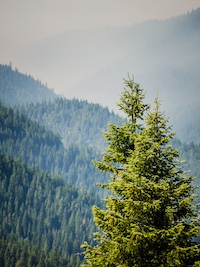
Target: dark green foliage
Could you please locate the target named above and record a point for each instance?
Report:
(150, 217)
(18, 252)
(41, 217)
(77, 122)
(53, 217)
(39, 147)
(17, 88)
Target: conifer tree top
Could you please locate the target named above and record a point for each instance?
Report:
(131, 100)
(150, 218)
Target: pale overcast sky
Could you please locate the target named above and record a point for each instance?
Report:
(26, 21)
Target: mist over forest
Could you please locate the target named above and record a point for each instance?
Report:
(50, 136)
(163, 56)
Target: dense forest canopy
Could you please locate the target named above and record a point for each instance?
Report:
(77, 122)
(41, 213)
(41, 148)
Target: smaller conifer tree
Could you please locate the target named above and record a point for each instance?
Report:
(150, 217)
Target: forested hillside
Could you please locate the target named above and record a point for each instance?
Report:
(43, 220)
(83, 123)
(27, 140)
(17, 88)
(47, 179)
(77, 122)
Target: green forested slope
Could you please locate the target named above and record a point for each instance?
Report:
(84, 123)
(44, 219)
(78, 122)
(32, 143)
(17, 88)
(39, 211)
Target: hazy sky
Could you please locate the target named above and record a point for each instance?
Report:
(26, 21)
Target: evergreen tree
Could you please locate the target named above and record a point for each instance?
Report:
(150, 216)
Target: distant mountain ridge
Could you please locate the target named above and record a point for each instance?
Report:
(164, 57)
(38, 147)
(77, 122)
(91, 64)
(78, 125)
(17, 88)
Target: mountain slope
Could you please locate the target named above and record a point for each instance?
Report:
(42, 215)
(164, 57)
(77, 122)
(27, 140)
(71, 117)
(136, 49)
(17, 88)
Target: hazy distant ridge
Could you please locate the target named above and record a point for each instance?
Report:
(164, 56)
(18, 88)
